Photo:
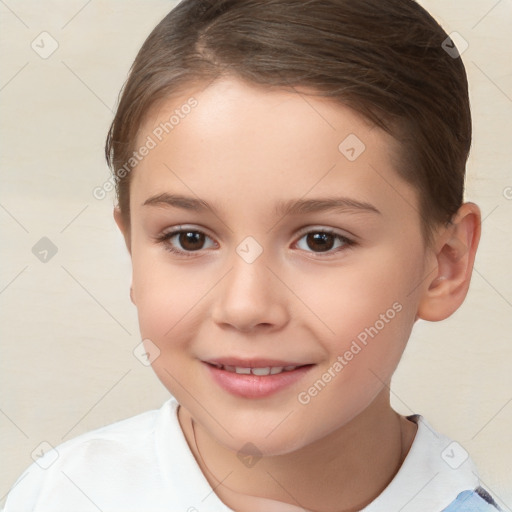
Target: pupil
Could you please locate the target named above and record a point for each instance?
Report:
(321, 238)
(190, 237)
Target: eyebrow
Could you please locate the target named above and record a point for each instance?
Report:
(282, 208)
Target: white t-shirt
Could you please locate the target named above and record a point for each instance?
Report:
(144, 464)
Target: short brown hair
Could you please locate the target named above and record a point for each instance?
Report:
(382, 58)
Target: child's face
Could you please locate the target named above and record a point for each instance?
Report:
(346, 310)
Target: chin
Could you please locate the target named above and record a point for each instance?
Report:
(261, 441)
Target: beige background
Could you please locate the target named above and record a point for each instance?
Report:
(68, 326)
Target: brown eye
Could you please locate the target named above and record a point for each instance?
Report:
(191, 240)
(323, 241)
(184, 242)
(320, 241)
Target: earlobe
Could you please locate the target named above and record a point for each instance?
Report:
(447, 288)
(118, 217)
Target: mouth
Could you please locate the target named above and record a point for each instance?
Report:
(259, 371)
(255, 378)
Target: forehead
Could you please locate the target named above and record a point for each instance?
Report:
(235, 141)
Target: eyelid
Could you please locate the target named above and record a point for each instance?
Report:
(349, 241)
(175, 230)
(184, 227)
(324, 229)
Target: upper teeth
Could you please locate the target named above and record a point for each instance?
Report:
(257, 371)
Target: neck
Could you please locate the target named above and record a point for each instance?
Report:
(342, 472)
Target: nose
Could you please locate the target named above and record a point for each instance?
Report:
(251, 298)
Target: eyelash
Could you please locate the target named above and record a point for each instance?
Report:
(164, 239)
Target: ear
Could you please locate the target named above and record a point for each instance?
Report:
(125, 230)
(454, 255)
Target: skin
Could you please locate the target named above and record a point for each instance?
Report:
(244, 148)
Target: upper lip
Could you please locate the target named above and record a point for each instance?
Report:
(252, 363)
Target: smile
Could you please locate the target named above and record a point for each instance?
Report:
(256, 378)
(267, 370)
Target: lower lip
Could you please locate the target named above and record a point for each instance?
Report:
(255, 386)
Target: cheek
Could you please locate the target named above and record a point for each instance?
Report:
(371, 332)
(166, 295)
(168, 300)
(370, 312)
(353, 297)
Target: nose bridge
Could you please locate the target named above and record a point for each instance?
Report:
(250, 294)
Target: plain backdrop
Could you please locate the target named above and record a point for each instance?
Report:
(68, 326)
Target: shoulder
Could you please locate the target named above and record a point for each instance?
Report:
(478, 500)
(437, 475)
(130, 433)
(116, 451)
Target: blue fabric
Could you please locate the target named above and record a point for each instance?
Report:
(478, 500)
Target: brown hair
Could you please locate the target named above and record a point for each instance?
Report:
(385, 59)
